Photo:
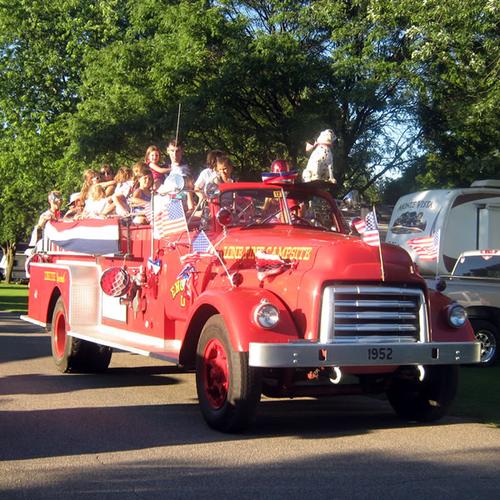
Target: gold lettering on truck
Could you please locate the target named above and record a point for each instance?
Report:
(292, 253)
(54, 276)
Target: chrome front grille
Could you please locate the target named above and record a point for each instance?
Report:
(373, 313)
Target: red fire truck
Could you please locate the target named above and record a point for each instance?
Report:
(262, 291)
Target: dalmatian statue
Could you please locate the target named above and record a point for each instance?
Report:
(320, 164)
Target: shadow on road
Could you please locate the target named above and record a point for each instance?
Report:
(83, 430)
(375, 473)
(34, 383)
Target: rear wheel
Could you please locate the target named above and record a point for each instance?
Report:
(228, 389)
(486, 333)
(425, 400)
(71, 354)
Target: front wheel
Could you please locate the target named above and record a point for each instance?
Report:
(228, 388)
(71, 354)
(425, 400)
(486, 333)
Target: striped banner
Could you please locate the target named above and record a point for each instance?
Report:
(89, 236)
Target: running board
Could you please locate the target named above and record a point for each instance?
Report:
(155, 347)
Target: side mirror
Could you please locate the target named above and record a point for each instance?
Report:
(173, 184)
(224, 217)
(211, 191)
(440, 285)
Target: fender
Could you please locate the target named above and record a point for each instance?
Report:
(440, 330)
(45, 281)
(237, 307)
(78, 285)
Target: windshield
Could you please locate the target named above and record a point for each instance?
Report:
(257, 207)
(478, 266)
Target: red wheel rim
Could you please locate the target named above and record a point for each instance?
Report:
(215, 373)
(60, 335)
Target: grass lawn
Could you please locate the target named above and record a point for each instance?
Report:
(479, 394)
(13, 298)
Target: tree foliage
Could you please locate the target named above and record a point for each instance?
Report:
(457, 74)
(406, 86)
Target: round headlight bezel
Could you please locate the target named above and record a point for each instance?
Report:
(456, 315)
(266, 315)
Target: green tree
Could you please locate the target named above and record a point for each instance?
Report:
(42, 50)
(456, 71)
(255, 78)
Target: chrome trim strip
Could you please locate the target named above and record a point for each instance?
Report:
(376, 303)
(306, 355)
(33, 321)
(374, 315)
(373, 327)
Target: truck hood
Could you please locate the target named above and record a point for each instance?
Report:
(335, 256)
(349, 258)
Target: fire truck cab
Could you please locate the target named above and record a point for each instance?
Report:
(262, 291)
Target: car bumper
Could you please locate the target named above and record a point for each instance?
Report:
(309, 354)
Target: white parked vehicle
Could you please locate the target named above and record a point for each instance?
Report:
(18, 271)
(453, 220)
(475, 284)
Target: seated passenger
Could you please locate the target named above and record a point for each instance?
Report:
(177, 165)
(75, 207)
(152, 160)
(54, 211)
(107, 180)
(224, 169)
(142, 195)
(52, 214)
(90, 177)
(138, 170)
(209, 174)
(118, 201)
(96, 202)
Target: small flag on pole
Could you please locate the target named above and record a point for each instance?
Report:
(188, 276)
(268, 264)
(368, 229)
(426, 247)
(279, 177)
(201, 246)
(154, 265)
(171, 220)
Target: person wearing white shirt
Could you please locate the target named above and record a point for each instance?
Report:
(209, 174)
(95, 203)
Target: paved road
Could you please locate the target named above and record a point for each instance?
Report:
(136, 432)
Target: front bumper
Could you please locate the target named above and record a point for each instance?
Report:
(309, 354)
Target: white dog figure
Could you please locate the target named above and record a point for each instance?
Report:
(320, 164)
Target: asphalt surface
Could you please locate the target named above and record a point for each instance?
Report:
(136, 433)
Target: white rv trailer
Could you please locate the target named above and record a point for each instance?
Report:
(465, 219)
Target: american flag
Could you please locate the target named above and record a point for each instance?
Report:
(170, 220)
(269, 265)
(200, 247)
(368, 229)
(279, 177)
(188, 274)
(360, 225)
(426, 247)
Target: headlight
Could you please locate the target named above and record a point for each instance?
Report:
(457, 315)
(266, 315)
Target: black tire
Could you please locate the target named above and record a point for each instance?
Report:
(427, 400)
(486, 333)
(228, 389)
(71, 354)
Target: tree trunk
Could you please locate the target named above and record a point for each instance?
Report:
(10, 253)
